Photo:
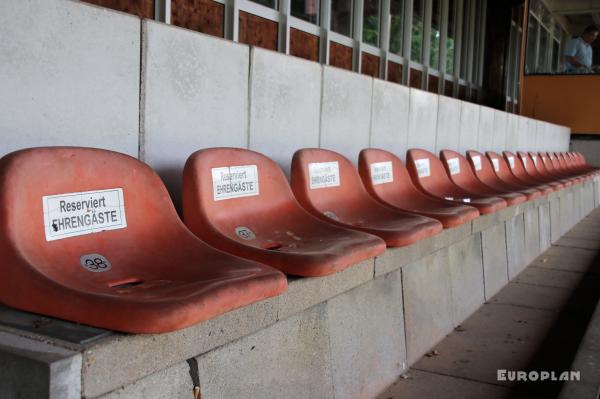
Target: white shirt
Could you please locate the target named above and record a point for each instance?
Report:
(580, 50)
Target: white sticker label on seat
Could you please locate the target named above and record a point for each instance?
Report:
(524, 161)
(453, 166)
(77, 214)
(422, 166)
(511, 161)
(496, 163)
(477, 162)
(381, 172)
(466, 199)
(534, 158)
(235, 182)
(324, 174)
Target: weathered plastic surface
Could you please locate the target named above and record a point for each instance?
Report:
(485, 171)
(553, 168)
(567, 167)
(529, 166)
(268, 225)
(581, 164)
(149, 274)
(342, 199)
(434, 181)
(463, 175)
(505, 174)
(516, 168)
(562, 166)
(540, 166)
(400, 193)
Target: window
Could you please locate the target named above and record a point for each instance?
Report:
(434, 49)
(267, 3)
(451, 36)
(307, 10)
(371, 17)
(532, 38)
(396, 26)
(341, 16)
(466, 39)
(416, 48)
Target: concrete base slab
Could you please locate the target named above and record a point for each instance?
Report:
(534, 275)
(582, 243)
(568, 259)
(515, 244)
(544, 219)
(555, 227)
(288, 360)
(495, 260)
(366, 335)
(533, 296)
(427, 303)
(33, 369)
(495, 337)
(532, 234)
(466, 276)
(423, 384)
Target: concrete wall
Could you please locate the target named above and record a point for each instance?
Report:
(589, 147)
(73, 77)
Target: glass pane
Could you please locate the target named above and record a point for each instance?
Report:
(451, 36)
(267, 3)
(307, 10)
(341, 16)
(396, 26)
(464, 55)
(371, 13)
(436, 17)
(532, 29)
(416, 48)
(542, 61)
(555, 55)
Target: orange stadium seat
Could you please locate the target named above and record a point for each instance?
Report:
(240, 202)
(92, 236)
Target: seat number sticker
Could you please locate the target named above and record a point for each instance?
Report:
(534, 158)
(422, 166)
(477, 162)
(244, 233)
(95, 263)
(453, 166)
(324, 174)
(77, 214)
(381, 172)
(235, 182)
(524, 161)
(496, 164)
(511, 162)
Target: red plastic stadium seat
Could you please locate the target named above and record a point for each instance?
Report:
(486, 172)
(553, 168)
(429, 175)
(529, 165)
(565, 162)
(502, 169)
(543, 171)
(240, 202)
(463, 176)
(328, 186)
(564, 168)
(515, 167)
(397, 190)
(583, 165)
(92, 236)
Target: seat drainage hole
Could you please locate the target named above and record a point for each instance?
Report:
(272, 246)
(120, 285)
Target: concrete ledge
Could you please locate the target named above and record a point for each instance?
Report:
(32, 369)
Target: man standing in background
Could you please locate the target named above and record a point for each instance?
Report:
(578, 51)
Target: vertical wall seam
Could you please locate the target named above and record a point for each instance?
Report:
(248, 116)
(371, 113)
(321, 104)
(142, 96)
